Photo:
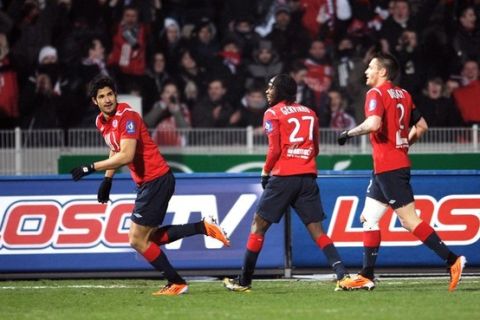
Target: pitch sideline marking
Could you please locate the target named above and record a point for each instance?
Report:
(384, 281)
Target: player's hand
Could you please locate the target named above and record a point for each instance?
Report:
(343, 137)
(103, 194)
(82, 171)
(264, 181)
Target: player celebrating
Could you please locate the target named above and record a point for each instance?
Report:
(389, 113)
(130, 144)
(288, 177)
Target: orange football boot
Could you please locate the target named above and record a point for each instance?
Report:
(357, 282)
(172, 289)
(456, 272)
(213, 230)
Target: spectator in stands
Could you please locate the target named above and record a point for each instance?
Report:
(167, 115)
(349, 71)
(266, 64)
(244, 34)
(214, 110)
(170, 43)
(467, 97)
(128, 54)
(323, 19)
(91, 64)
(438, 110)
(305, 95)
(204, 41)
(339, 118)
(284, 33)
(192, 77)
(253, 106)
(466, 40)
(412, 64)
(319, 79)
(46, 98)
(32, 30)
(155, 78)
(228, 65)
(401, 19)
(9, 110)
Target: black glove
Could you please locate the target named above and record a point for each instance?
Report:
(265, 181)
(82, 171)
(343, 137)
(104, 190)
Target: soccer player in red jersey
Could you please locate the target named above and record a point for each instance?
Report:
(130, 144)
(288, 178)
(394, 124)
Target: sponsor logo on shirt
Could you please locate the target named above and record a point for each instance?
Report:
(130, 126)
(115, 123)
(372, 105)
(268, 126)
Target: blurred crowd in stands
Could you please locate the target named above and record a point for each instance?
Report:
(206, 63)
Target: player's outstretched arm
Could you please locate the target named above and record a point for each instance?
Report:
(371, 124)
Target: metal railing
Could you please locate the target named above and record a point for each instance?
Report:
(25, 152)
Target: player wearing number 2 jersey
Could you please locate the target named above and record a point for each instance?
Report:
(393, 124)
(289, 178)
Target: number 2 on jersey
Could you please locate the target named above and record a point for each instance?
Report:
(402, 134)
(306, 120)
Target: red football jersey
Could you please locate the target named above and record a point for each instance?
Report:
(292, 132)
(390, 143)
(148, 164)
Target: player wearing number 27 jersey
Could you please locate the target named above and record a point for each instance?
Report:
(393, 124)
(292, 130)
(289, 178)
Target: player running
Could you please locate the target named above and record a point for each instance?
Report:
(394, 124)
(288, 178)
(130, 144)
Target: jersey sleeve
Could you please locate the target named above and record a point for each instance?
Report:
(374, 103)
(272, 130)
(130, 125)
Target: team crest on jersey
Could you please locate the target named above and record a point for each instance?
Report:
(115, 123)
(130, 127)
(372, 105)
(268, 126)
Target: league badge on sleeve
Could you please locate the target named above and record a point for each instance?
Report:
(372, 105)
(130, 127)
(268, 126)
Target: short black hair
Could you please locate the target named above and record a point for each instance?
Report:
(284, 88)
(390, 63)
(100, 82)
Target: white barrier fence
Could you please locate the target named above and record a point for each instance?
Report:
(32, 152)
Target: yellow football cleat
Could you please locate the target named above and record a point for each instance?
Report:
(234, 285)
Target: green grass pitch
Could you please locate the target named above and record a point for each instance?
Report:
(288, 299)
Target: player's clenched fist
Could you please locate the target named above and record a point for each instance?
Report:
(104, 190)
(82, 171)
(343, 137)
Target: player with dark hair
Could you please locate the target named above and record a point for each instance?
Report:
(289, 178)
(394, 124)
(130, 144)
